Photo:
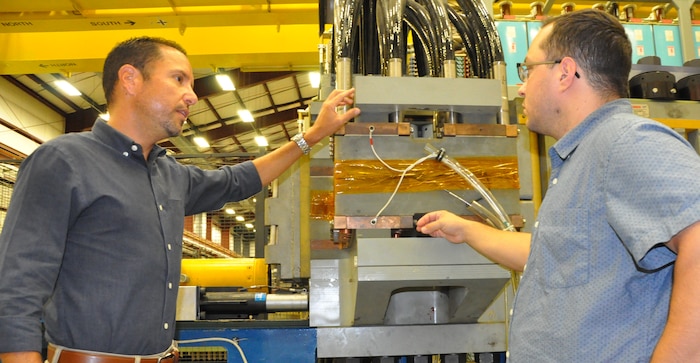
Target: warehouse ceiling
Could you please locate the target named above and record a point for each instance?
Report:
(267, 47)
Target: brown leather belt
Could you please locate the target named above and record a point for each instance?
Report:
(73, 356)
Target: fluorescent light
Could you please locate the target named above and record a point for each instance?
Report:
(200, 141)
(240, 218)
(105, 116)
(261, 140)
(249, 225)
(246, 116)
(315, 79)
(225, 82)
(67, 88)
(230, 211)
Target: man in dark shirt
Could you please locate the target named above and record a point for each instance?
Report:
(92, 240)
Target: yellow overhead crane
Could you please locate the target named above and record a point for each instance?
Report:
(74, 36)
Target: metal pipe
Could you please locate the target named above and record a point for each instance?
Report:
(345, 18)
(443, 35)
(390, 15)
(252, 303)
(419, 20)
(499, 73)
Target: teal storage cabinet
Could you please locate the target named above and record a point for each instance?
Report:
(642, 38)
(667, 41)
(514, 41)
(533, 27)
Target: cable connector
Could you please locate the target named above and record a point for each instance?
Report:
(440, 154)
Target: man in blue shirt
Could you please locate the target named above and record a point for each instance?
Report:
(92, 240)
(611, 269)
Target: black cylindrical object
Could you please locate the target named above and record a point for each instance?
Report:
(689, 88)
(659, 85)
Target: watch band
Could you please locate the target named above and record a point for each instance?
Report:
(301, 142)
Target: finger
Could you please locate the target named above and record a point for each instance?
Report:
(430, 229)
(422, 220)
(338, 96)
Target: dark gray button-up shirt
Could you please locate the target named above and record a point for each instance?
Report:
(92, 242)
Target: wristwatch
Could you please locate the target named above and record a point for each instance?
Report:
(299, 139)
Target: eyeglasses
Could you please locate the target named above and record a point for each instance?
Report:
(524, 68)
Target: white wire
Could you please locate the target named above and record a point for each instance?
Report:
(403, 173)
(230, 341)
(371, 145)
(374, 220)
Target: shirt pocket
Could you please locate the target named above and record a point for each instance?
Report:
(564, 248)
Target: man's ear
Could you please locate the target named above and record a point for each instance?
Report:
(129, 78)
(568, 69)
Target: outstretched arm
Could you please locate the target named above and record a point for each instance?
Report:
(272, 165)
(510, 249)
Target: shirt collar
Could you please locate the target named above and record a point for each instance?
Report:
(568, 144)
(121, 142)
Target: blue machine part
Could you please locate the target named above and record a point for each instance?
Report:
(267, 344)
(533, 27)
(642, 39)
(513, 36)
(668, 44)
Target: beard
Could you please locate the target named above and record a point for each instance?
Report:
(172, 127)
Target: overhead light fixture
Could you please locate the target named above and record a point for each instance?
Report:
(66, 87)
(230, 211)
(240, 218)
(105, 116)
(249, 225)
(315, 79)
(245, 115)
(225, 82)
(200, 141)
(261, 141)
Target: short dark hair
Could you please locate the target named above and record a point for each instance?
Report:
(139, 52)
(598, 43)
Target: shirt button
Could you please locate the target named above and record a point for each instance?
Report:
(134, 148)
(511, 312)
(524, 267)
(537, 223)
(166, 326)
(507, 354)
(170, 247)
(555, 180)
(170, 285)
(125, 153)
(160, 206)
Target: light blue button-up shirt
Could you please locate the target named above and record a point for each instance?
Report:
(598, 279)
